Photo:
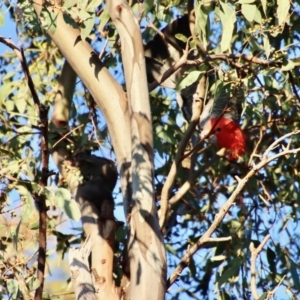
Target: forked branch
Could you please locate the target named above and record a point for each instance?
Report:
(254, 253)
(225, 208)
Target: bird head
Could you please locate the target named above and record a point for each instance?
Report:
(227, 134)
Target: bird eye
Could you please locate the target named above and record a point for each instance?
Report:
(218, 129)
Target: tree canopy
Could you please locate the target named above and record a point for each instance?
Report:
(75, 102)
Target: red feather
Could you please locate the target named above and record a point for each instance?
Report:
(230, 136)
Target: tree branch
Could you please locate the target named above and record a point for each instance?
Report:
(107, 93)
(181, 62)
(226, 57)
(146, 249)
(80, 273)
(197, 109)
(63, 97)
(254, 253)
(225, 208)
(292, 81)
(43, 126)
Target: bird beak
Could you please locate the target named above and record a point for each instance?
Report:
(212, 139)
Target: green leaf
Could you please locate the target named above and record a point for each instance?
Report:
(2, 18)
(263, 296)
(121, 233)
(21, 105)
(16, 236)
(69, 20)
(69, 3)
(189, 79)
(231, 271)
(288, 65)
(264, 6)
(170, 249)
(34, 226)
(66, 204)
(249, 11)
(267, 46)
(158, 145)
(271, 256)
(257, 16)
(28, 202)
(246, 1)
(223, 296)
(33, 284)
(5, 90)
(84, 15)
(8, 75)
(48, 18)
(104, 18)
(163, 134)
(228, 19)
(283, 11)
(202, 23)
(147, 5)
(295, 275)
(12, 287)
(218, 258)
(93, 5)
(192, 267)
(87, 28)
(10, 106)
(181, 37)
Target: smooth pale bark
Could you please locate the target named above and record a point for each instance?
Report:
(107, 93)
(80, 273)
(64, 96)
(146, 248)
(131, 137)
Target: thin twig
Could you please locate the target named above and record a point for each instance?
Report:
(226, 57)
(103, 49)
(68, 133)
(187, 185)
(181, 62)
(165, 37)
(254, 253)
(225, 208)
(256, 146)
(291, 78)
(43, 125)
(197, 109)
(270, 294)
(220, 239)
(141, 12)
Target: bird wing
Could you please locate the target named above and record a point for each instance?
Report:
(223, 102)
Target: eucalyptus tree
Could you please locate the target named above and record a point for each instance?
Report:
(96, 94)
